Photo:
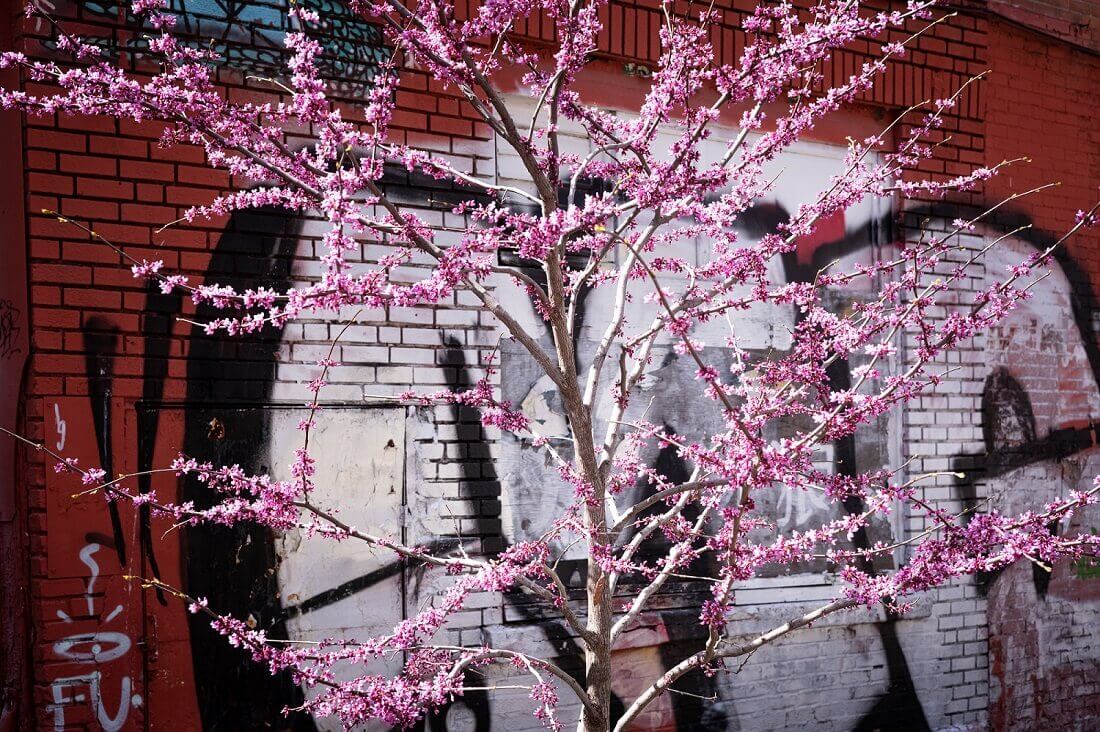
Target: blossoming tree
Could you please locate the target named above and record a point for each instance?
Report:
(622, 240)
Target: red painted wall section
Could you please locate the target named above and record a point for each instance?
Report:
(14, 351)
(1053, 82)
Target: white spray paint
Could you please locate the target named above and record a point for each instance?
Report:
(100, 647)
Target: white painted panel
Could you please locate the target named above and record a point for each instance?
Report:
(360, 455)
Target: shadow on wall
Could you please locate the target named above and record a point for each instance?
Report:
(234, 567)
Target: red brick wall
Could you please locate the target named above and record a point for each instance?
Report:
(14, 347)
(83, 299)
(115, 177)
(1035, 107)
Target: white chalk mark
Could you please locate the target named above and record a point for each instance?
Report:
(61, 698)
(62, 428)
(86, 557)
(799, 506)
(113, 724)
(100, 647)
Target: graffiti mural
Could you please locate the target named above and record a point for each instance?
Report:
(1038, 405)
(93, 650)
(332, 588)
(437, 477)
(424, 462)
(668, 380)
(94, 641)
(260, 581)
(117, 658)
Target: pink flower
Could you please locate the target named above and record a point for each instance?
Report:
(665, 242)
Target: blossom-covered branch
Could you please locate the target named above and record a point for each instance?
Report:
(663, 190)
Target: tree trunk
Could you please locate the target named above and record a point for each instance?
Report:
(597, 657)
(597, 654)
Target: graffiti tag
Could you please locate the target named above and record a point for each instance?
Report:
(100, 647)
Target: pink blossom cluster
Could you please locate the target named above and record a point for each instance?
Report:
(620, 240)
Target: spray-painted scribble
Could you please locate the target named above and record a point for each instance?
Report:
(61, 427)
(94, 649)
(9, 329)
